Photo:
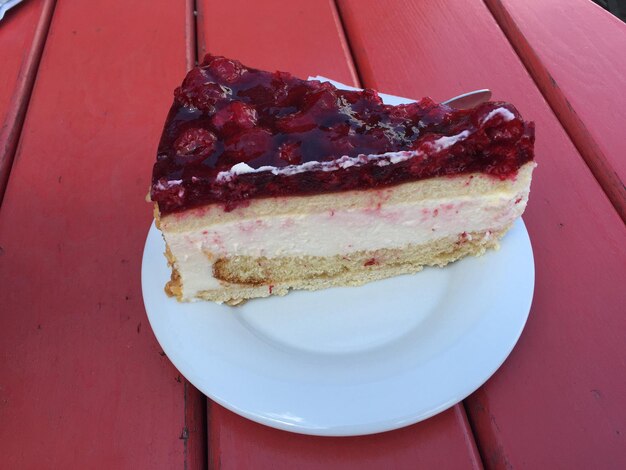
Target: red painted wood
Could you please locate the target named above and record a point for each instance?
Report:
(23, 32)
(238, 443)
(83, 382)
(299, 36)
(306, 38)
(576, 52)
(559, 401)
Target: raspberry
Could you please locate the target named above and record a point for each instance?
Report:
(169, 194)
(296, 122)
(235, 117)
(195, 143)
(341, 143)
(290, 152)
(403, 112)
(198, 91)
(296, 94)
(248, 145)
(509, 131)
(321, 100)
(371, 96)
(225, 69)
(436, 116)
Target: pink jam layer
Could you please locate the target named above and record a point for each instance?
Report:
(225, 114)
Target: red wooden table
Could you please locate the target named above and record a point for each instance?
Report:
(83, 93)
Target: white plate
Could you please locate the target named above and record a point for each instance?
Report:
(350, 361)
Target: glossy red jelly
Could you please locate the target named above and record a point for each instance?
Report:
(225, 113)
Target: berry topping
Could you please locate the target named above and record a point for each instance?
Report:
(248, 145)
(226, 114)
(225, 69)
(322, 100)
(290, 152)
(296, 122)
(198, 91)
(195, 143)
(234, 117)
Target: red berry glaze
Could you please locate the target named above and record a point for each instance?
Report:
(225, 113)
(234, 117)
(247, 145)
(195, 144)
(290, 152)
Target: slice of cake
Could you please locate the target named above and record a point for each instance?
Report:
(265, 182)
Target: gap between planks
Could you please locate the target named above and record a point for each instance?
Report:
(19, 106)
(195, 432)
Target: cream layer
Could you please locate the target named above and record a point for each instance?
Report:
(374, 220)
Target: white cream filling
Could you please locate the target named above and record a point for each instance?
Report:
(335, 232)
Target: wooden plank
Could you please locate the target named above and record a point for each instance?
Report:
(306, 38)
(301, 37)
(84, 384)
(435, 443)
(23, 32)
(576, 53)
(558, 401)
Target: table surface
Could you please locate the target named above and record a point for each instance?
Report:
(85, 87)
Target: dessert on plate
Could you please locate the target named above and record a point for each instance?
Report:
(265, 182)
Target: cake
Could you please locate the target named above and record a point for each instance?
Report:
(265, 182)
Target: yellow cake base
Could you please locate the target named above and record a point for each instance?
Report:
(246, 277)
